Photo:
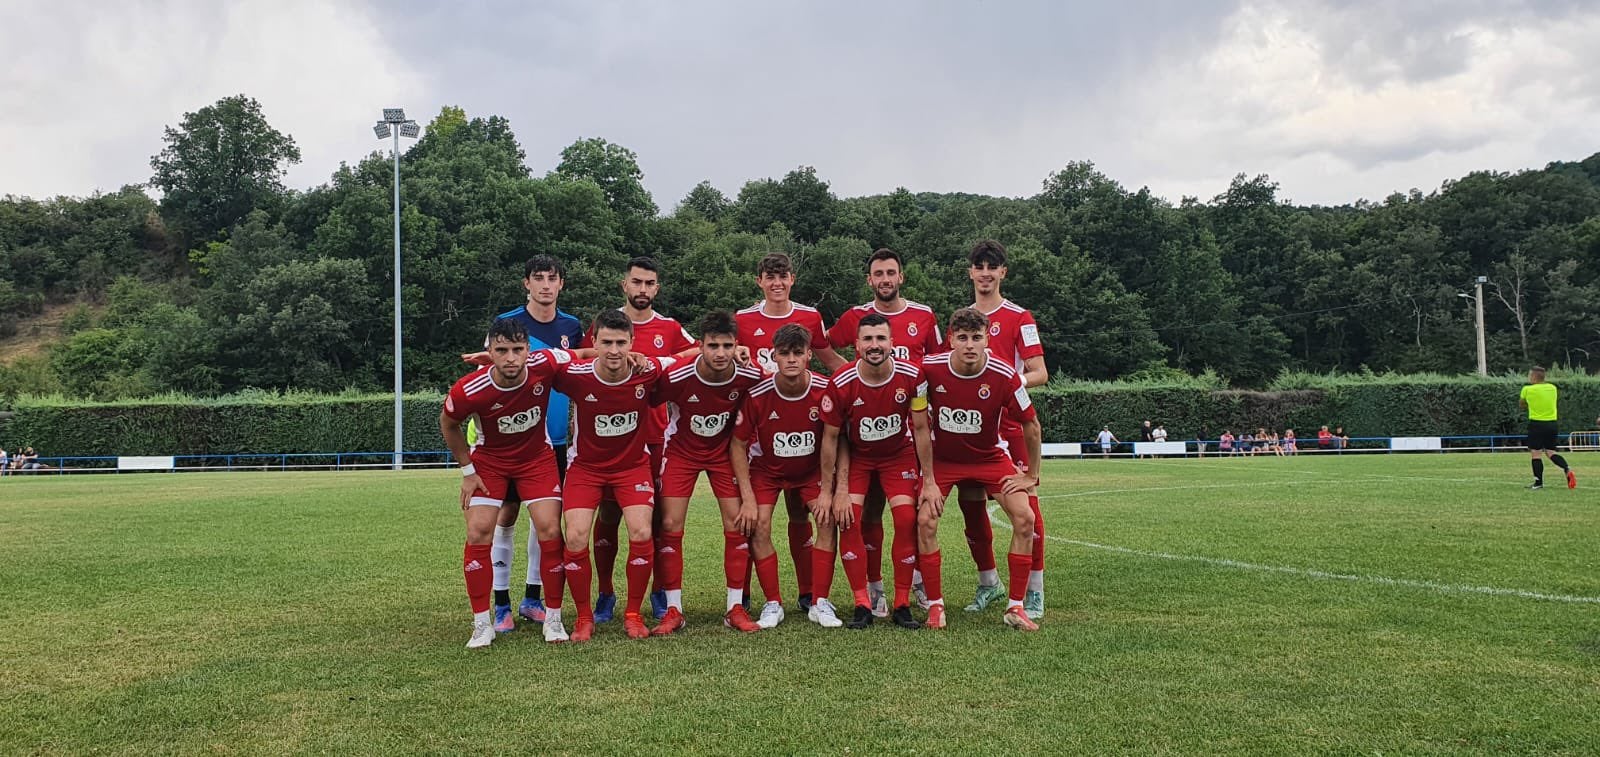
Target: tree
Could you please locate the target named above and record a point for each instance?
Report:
(615, 169)
(801, 202)
(222, 162)
(706, 201)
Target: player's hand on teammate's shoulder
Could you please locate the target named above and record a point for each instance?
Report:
(476, 358)
(742, 356)
(640, 363)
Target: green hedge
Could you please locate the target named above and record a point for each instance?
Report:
(1365, 406)
(259, 422)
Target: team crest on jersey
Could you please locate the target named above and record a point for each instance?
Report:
(994, 329)
(827, 406)
(911, 329)
(638, 391)
(733, 395)
(660, 342)
(983, 392)
(814, 414)
(538, 389)
(900, 395)
(566, 342)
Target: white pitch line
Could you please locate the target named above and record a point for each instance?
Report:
(1320, 574)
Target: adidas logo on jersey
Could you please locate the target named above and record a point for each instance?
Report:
(940, 389)
(773, 416)
(694, 398)
(760, 331)
(638, 561)
(497, 406)
(857, 403)
(590, 398)
(472, 566)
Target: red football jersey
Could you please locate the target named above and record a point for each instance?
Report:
(915, 329)
(511, 426)
(700, 415)
(610, 418)
(963, 409)
(659, 336)
(1013, 336)
(877, 419)
(783, 432)
(756, 329)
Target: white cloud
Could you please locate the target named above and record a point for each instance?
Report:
(89, 86)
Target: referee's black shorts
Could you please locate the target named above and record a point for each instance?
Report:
(1542, 435)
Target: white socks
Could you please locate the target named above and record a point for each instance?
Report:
(500, 554)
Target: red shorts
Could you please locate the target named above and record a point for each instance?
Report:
(534, 480)
(678, 477)
(586, 487)
(770, 490)
(898, 476)
(1016, 447)
(985, 473)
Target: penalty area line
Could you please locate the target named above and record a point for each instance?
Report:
(1223, 562)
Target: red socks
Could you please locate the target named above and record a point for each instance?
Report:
(605, 553)
(932, 575)
(1038, 532)
(980, 533)
(575, 566)
(800, 551)
(1018, 566)
(736, 559)
(550, 556)
(669, 561)
(767, 574)
(480, 576)
(853, 553)
(872, 537)
(821, 574)
(905, 553)
(641, 559)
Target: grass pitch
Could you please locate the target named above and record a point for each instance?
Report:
(1416, 603)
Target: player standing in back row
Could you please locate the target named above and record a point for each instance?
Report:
(758, 324)
(1014, 339)
(1539, 399)
(915, 332)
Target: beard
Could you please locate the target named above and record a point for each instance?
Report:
(641, 302)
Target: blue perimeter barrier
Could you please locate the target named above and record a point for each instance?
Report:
(348, 461)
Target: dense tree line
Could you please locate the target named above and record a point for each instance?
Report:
(230, 281)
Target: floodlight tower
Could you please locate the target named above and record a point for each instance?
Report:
(395, 124)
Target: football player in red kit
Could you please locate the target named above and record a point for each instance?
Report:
(758, 326)
(775, 451)
(509, 397)
(879, 405)
(916, 334)
(1014, 339)
(703, 397)
(612, 403)
(969, 389)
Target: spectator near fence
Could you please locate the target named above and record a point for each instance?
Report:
(1289, 442)
(1324, 439)
(1160, 433)
(1341, 440)
(5, 461)
(1106, 439)
(1225, 443)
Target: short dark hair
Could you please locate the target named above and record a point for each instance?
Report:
(718, 322)
(542, 264)
(1539, 369)
(987, 251)
(968, 319)
(775, 263)
(871, 319)
(614, 320)
(792, 337)
(647, 263)
(509, 329)
(884, 253)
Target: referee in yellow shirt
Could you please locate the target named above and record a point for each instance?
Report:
(1539, 399)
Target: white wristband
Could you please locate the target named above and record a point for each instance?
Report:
(467, 470)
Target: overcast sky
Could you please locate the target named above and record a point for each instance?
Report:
(1335, 100)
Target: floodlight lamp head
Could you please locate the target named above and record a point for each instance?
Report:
(381, 129)
(394, 115)
(1483, 279)
(410, 130)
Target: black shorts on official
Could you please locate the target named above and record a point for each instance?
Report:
(1542, 435)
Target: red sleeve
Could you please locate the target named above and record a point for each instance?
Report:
(685, 341)
(819, 333)
(833, 406)
(456, 404)
(840, 335)
(930, 336)
(588, 338)
(744, 425)
(1028, 336)
(662, 390)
